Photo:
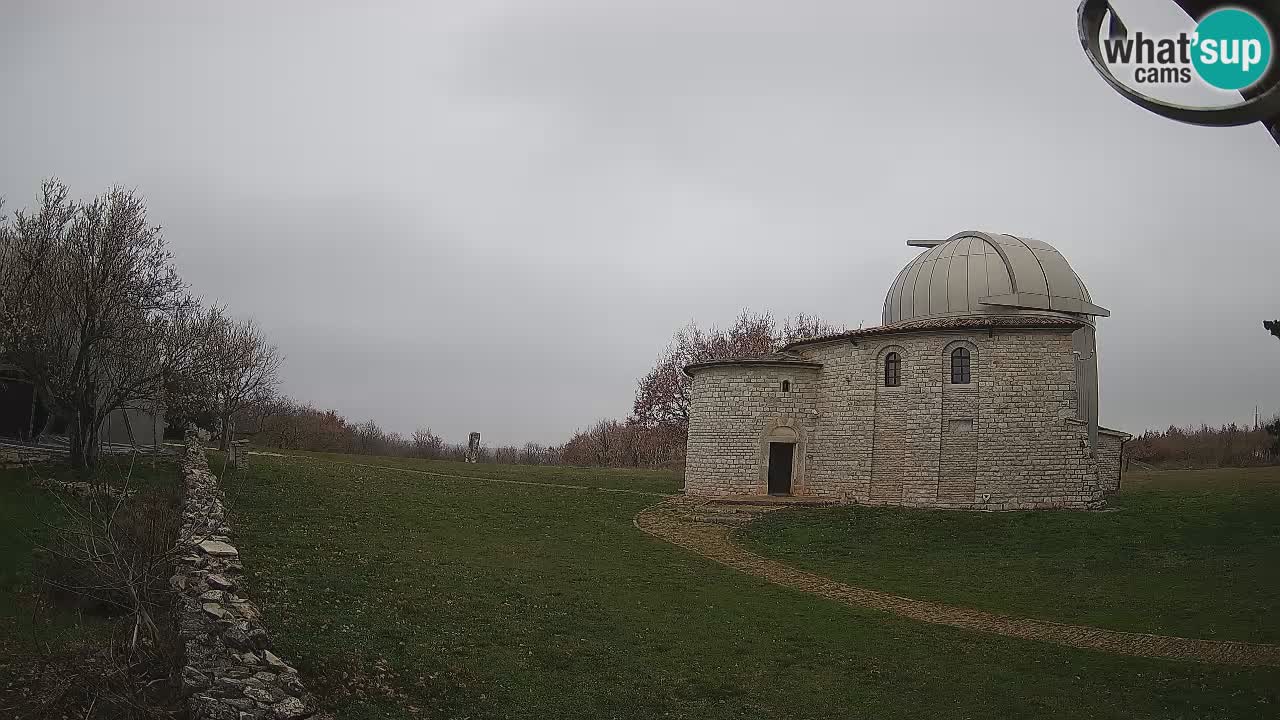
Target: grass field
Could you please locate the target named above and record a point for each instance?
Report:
(24, 512)
(1193, 553)
(43, 637)
(605, 478)
(407, 595)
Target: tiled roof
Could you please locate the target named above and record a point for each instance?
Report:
(952, 323)
(773, 358)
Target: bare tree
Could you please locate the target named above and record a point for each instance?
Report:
(369, 438)
(1273, 327)
(604, 436)
(633, 442)
(26, 246)
(118, 549)
(246, 369)
(533, 454)
(805, 327)
(427, 444)
(662, 395)
(92, 309)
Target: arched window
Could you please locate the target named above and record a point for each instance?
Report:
(960, 366)
(786, 386)
(892, 370)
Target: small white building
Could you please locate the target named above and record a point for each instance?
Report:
(134, 426)
(979, 391)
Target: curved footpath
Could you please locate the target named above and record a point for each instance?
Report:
(690, 524)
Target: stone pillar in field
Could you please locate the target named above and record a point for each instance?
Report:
(473, 447)
(239, 450)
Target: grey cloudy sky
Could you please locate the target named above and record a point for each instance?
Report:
(491, 215)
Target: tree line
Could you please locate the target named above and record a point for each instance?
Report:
(1230, 445)
(94, 314)
(653, 436)
(290, 425)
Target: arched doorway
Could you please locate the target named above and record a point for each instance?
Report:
(782, 455)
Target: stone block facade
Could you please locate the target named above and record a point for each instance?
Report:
(1110, 459)
(735, 410)
(1010, 439)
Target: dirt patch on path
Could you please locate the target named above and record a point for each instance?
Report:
(704, 528)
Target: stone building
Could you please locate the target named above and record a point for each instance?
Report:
(19, 406)
(979, 391)
(25, 415)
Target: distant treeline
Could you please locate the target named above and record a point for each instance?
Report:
(286, 424)
(654, 436)
(290, 425)
(1227, 446)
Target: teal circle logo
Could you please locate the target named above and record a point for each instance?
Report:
(1232, 49)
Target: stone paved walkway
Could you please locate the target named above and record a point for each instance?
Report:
(704, 529)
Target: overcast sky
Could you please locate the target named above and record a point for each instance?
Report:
(492, 215)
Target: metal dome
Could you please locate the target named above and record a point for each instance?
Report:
(979, 273)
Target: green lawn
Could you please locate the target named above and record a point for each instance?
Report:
(611, 478)
(26, 512)
(403, 595)
(1193, 553)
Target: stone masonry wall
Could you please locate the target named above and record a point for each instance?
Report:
(1002, 442)
(1030, 455)
(959, 451)
(1110, 448)
(230, 671)
(733, 408)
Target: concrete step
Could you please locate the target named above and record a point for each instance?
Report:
(771, 501)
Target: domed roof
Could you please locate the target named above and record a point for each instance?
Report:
(979, 273)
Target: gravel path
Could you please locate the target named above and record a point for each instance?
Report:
(692, 525)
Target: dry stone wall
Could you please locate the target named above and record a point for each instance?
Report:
(1007, 440)
(230, 671)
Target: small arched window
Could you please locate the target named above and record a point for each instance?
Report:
(786, 386)
(892, 370)
(960, 366)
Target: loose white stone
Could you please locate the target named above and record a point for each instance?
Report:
(219, 582)
(218, 548)
(273, 660)
(215, 610)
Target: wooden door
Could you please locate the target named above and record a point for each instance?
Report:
(780, 457)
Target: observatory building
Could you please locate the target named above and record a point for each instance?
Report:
(978, 392)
